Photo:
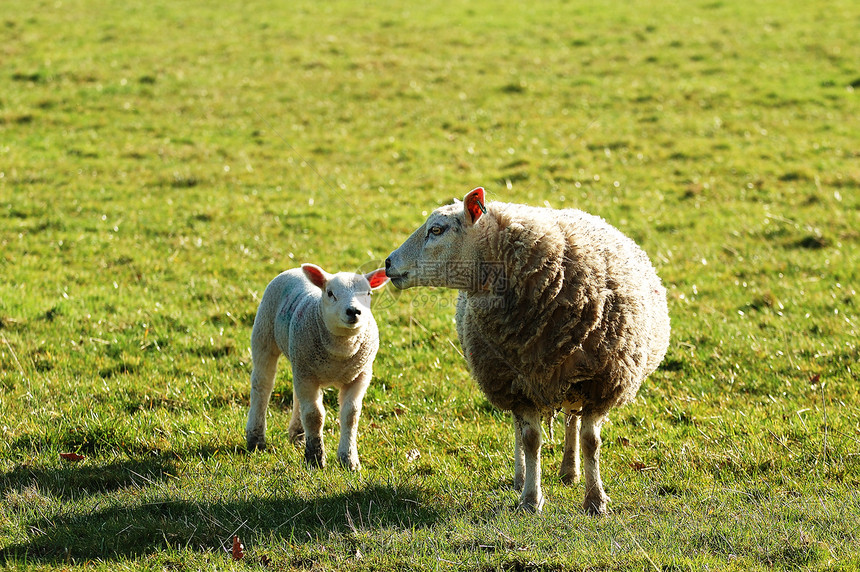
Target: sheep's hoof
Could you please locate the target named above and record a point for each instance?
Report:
(519, 482)
(596, 506)
(350, 463)
(569, 478)
(533, 505)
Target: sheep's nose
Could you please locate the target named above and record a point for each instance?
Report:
(353, 312)
(388, 264)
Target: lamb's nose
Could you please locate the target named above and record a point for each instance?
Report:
(387, 264)
(353, 312)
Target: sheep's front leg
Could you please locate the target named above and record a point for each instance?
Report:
(595, 497)
(350, 398)
(265, 359)
(310, 401)
(569, 472)
(519, 456)
(529, 430)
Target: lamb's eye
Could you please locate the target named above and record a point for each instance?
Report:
(436, 230)
(331, 295)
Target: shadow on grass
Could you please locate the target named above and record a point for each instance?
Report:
(75, 481)
(119, 532)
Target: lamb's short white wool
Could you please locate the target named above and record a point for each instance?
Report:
(557, 310)
(322, 323)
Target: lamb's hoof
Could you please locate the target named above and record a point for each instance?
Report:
(315, 457)
(569, 478)
(298, 438)
(533, 505)
(349, 463)
(255, 443)
(596, 506)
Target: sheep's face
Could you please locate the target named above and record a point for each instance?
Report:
(436, 254)
(345, 302)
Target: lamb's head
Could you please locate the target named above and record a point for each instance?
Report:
(439, 252)
(345, 302)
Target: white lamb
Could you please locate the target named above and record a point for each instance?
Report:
(557, 310)
(322, 323)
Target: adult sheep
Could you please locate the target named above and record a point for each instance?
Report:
(557, 310)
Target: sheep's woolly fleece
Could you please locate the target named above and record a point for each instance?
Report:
(583, 317)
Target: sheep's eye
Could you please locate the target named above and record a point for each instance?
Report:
(436, 230)
(331, 295)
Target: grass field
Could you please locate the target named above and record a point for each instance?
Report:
(161, 161)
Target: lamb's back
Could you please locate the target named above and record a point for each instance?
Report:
(288, 298)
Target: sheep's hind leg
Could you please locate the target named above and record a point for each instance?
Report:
(350, 410)
(265, 361)
(595, 497)
(570, 472)
(296, 430)
(310, 401)
(529, 425)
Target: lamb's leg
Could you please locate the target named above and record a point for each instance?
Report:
(265, 359)
(595, 497)
(529, 424)
(350, 410)
(310, 401)
(570, 461)
(519, 456)
(296, 430)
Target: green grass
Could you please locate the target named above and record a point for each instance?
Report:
(160, 162)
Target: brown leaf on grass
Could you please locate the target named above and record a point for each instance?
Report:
(815, 379)
(639, 467)
(238, 549)
(72, 457)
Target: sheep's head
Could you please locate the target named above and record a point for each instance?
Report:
(345, 302)
(438, 254)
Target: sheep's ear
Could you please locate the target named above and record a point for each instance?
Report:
(316, 275)
(473, 205)
(377, 278)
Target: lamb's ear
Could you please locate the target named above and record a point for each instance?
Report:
(473, 205)
(377, 278)
(316, 275)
